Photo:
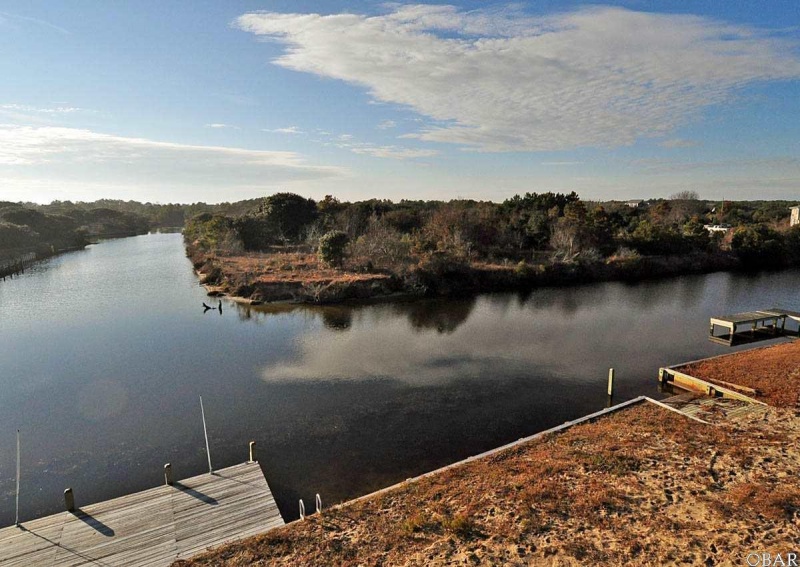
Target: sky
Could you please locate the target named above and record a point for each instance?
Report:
(166, 101)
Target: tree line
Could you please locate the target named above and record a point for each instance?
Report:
(534, 228)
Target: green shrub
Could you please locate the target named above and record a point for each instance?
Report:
(332, 247)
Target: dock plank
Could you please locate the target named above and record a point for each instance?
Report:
(153, 527)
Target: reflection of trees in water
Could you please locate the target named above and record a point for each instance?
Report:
(567, 300)
(244, 312)
(337, 318)
(443, 316)
(261, 313)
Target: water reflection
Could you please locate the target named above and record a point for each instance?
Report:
(105, 351)
(337, 318)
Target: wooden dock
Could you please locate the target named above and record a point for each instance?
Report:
(713, 409)
(12, 265)
(153, 527)
(752, 325)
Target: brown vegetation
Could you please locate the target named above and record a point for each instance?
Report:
(285, 273)
(774, 372)
(643, 486)
(464, 246)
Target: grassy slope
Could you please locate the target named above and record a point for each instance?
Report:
(773, 372)
(643, 486)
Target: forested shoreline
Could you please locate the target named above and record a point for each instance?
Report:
(65, 225)
(289, 248)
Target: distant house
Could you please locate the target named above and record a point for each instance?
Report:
(712, 228)
(635, 203)
(795, 218)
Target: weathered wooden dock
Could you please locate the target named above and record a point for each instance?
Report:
(12, 265)
(672, 376)
(713, 409)
(153, 527)
(752, 325)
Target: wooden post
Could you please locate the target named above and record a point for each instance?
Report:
(168, 474)
(253, 457)
(69, 500)
(610, 381)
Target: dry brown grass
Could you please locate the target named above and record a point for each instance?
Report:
(642, 486)
(286, 265)
(774, 372)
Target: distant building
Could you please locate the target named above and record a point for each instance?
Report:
(635, 203)
(712, 228)
(795, 218)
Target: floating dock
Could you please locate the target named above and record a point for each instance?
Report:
(153, 527)
(752, 325)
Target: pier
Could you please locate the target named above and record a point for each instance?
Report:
(154, 527)
(10, 266)
(751, 326)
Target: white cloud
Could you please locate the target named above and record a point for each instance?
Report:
(51, 110)
(387, 124)
(35, 156)
(504, 81)
(221, 126)
(288, 130)
(678, 143)
(5, 16)
(392, 152)
(348, 142)
(28, 114)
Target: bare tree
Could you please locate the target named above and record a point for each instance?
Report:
(685, 196)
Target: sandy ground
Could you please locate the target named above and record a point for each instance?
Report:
(774, 372)
(643, 486)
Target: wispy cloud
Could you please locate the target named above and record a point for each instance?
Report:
(70, 155)
(504, 81)
(11, 17)
(392, 152)
(678, 143)
(766, 164)
(560, 163)
(287, 130)
(349, 142)
(387, 124)
(221, 126)
(41, 110)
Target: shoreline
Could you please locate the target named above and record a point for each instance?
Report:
(220, 278)
(655, 484)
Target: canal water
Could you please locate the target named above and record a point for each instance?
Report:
(104, 353)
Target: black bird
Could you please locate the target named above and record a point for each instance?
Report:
(220, 307)
(206, 307)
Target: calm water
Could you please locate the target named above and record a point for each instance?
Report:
(104, 352)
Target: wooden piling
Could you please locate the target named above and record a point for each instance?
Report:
(610, 381)
(69, 500)
(168, 474)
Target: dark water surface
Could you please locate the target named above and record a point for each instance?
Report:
(104, 352)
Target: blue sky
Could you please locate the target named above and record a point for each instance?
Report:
(219, 101)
